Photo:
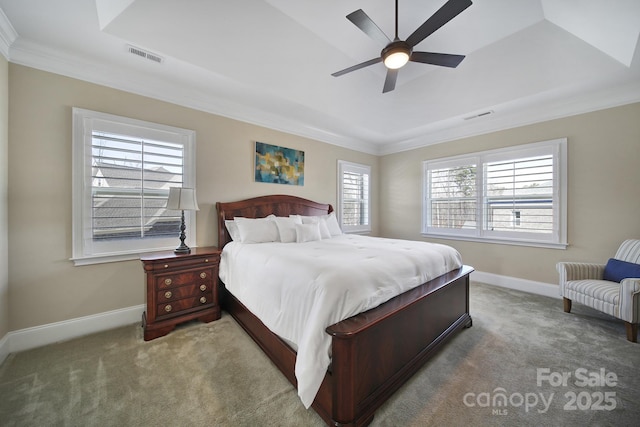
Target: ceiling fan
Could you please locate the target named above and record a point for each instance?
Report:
(397, 53)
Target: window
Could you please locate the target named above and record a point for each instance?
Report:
(353, 200)
(122, 172)
(515, 195)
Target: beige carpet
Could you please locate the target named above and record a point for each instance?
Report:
(214, 375)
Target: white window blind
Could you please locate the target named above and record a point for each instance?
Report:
(130, 184)
(453, 196)
(354, 198)
(516, 194)
(519, 195)
(123, 170)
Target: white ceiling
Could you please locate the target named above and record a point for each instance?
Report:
(269, 62)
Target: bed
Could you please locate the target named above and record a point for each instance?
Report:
(370, 360)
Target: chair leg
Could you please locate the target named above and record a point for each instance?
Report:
(567, 305)
(632, 331)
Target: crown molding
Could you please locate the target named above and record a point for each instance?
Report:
(535, 109)
(46, 59)
(8, 35)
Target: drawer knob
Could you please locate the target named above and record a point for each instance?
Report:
(166, 266)
(168, 294)
(206, 260)
(203, 275)
(203, 288)
(167, 282)
(203, 300)
(167, 308)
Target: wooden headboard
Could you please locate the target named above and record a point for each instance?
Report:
(260, 207)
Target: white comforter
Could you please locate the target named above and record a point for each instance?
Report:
(298, 289)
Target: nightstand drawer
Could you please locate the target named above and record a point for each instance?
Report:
(175, 307)
(160, 266)
(204, 275)
(195, 290)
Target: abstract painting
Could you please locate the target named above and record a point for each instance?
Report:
(279, 165)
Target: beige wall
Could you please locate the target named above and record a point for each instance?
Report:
(4, 176)
(603, 189)
(45, 286)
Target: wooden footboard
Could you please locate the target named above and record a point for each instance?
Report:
(377, 351)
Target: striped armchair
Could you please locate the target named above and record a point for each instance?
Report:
(585, 284)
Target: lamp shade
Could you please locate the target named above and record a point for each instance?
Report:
(182, 199)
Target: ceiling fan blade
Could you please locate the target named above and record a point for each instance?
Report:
(390, 81)
(442, 59)
(446, 13)
(357, 67)
(366, 24)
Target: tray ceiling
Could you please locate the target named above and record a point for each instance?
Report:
(270, 62)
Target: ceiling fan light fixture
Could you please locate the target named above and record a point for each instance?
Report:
(396, 60)
(396, 55)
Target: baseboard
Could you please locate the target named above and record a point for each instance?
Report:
(4, 348)
(38, 336)
(539, 288)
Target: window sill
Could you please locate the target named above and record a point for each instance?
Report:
(548, 245)
(117, 257)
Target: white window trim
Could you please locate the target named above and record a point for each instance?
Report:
(84, 123)
(558, 239)
(343, 166)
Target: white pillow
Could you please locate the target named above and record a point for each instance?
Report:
(307, 233)
(258, 230)
(232, 228)
(287, 228)
(332, 224)
(324, 229)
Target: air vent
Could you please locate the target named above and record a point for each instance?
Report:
(145, 54)
(475, 116)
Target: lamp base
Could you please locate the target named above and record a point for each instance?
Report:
(182, 249)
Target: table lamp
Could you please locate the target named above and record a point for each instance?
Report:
(183, 199)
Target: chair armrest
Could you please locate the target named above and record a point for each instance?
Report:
(579, 271)
(630, 300)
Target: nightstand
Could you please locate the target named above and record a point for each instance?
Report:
(180, 288)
